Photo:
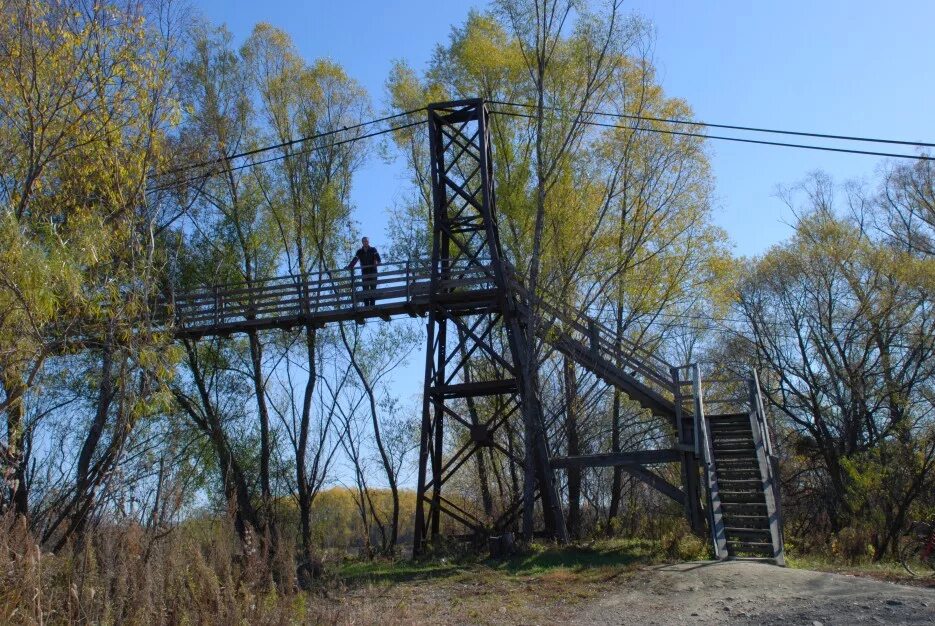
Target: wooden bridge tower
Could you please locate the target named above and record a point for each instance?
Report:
(468, 319)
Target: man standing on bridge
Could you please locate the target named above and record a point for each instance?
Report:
(369, 260)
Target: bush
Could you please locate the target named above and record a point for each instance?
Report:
(852, 545)
(681, 544)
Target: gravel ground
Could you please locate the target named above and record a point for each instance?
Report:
(744, 592)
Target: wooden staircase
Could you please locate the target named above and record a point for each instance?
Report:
(743, 502)
(741, 474)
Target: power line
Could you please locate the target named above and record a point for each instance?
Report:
(717, 326)
(291, 142)
(286, 144)
(774, 131)
(283, 156)
(737, 139)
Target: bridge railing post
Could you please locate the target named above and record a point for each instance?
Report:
(408, 284)
(319, 287)
(217, 305)
(353, 291)
(303, 293)
(175, 308)
(699, 425)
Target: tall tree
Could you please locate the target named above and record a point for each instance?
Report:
(617, 220)
(308, 197)
(841, 321)
(85, 105)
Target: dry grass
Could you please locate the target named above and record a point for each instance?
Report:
(888, 570)
(544, 585)
(122, 576)
(200, 574)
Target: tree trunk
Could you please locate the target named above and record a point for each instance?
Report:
(617, 484)
(571, 429)
(83, 478)
(311, 564)
(268, 521)
(16, 453)
(378, 438)
(233, 480)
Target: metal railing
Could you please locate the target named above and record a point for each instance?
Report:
(602, 340)
(705, 451)
(326, 291)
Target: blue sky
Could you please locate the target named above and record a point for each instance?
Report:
(854, 68)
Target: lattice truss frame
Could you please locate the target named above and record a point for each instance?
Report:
(476, 377)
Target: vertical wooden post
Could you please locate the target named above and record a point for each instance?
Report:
(690, 479)
(408, 287)
(319, 287)
(769, 469)
(712, 490)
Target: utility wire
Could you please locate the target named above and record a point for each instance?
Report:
(292, 142)
(737, 139)
(774, 131)
(282, 156)
(286, 144)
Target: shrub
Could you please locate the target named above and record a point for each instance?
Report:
(681, 544)
(852, 544)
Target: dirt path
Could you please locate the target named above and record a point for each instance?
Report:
(754, 593)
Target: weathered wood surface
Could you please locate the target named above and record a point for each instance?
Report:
(402, 289)
(321, 298)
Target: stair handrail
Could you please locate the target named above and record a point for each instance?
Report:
(703, 444)
(772, 461)
(646, 363)
(761, 415)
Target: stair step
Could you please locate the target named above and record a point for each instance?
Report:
(750, 462)
(744, 508)
(747, 532)
(735, 474)
(738, 472)
(728, 487)
(734, 470)
(746, 521)
(721, 429)
(732, 446)
(756, 547)
(732, 439)
(718, 437)
(727, 427)
(729, 421)
(742, 497)
(730, 429)
(751, 483)
(733, 454)
(727, 433)
(750, 542)
(726, 416)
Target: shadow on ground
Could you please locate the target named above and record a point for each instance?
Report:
(537, 560)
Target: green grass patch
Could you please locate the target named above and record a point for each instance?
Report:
(384, 570)
(537, 560)
(889, 570)
(619, 553)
